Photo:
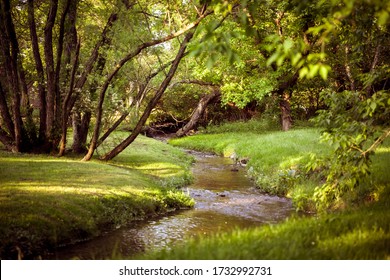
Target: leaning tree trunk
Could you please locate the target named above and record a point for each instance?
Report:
(121, 63)
(198, 112)
(65, 107)
(153, 102)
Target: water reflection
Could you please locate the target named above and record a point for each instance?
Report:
(225, 199)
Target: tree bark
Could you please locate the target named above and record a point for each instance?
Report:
(95, 54)
(284, 100)
(80, 131)
(198, 112)
(50, 72)
(10, 52)
(66, 108)
(285, 109)
(67, 37)
(5, 114)
(128, 57)
(6, 140)
(40, 72)
(348, 69)
(153, 102)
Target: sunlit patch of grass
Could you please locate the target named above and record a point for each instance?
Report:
(47, 201)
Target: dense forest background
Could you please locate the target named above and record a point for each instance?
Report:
(96, 66)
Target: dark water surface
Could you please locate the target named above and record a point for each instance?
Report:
(225, 199)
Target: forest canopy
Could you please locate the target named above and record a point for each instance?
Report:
(91, 67)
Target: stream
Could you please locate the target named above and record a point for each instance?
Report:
(225, 200)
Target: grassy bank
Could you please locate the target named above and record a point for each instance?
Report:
(47, 202)
(359, 231)
(275, 159)
(362, 233)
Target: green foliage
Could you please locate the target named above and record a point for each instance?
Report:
(254, 126)
(246, 90)
(353, 126)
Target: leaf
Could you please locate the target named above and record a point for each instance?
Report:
(373, 105)
(383, 17)
(313, 70)
(324, 70)
(273, 58)
(280, 60)
(288, 44)
(303, 72)
(295, 59)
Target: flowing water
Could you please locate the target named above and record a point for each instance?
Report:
(225, 200)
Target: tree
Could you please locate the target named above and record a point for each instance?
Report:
(202, 13)
(67, 59)
(249, 52)
(48, 64)
(356, 120)
(201, 107)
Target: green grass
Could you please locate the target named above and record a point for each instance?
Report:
(277, 160)
(47, 202)
(362, 233)
(272, 156)
(361, 230)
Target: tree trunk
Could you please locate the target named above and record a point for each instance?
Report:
(198, 112)
(136, 101)
(40, 72)
(66, 108)
(10, 52)
(153, 102)
(285, 110)
(5, 114)
(284, 100)
(80, 132)
(127, 58)
(50, 74)
(95, 54)
(348, 70)
(6, 140)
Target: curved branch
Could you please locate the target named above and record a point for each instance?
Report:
(124, 144)
(128, 57)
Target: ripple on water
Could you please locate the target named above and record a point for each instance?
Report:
(225, 200)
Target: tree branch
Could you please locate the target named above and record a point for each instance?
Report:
(124, 144)
(128, 57)
(377, 142)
